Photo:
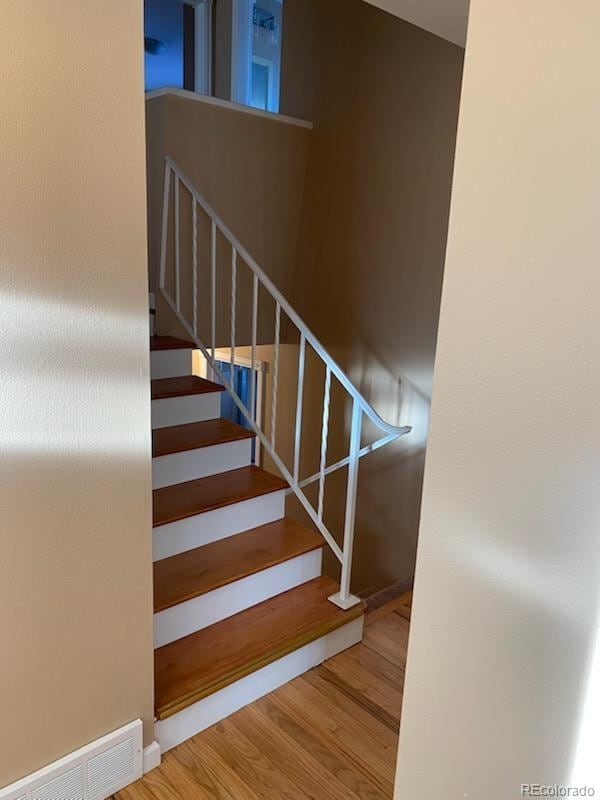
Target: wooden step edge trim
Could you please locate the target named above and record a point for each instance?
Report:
(284, 649)
(170, 343)
(243, 434)
(215, 506)
(214, 388)
(241, 575)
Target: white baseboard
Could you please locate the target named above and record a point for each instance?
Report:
(94, 772)
(151, 757)
(201, 715)
(200, 463)
(189, 408)
(187, 534)
(200, 612)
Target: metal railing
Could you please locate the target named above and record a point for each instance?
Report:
(360, 407)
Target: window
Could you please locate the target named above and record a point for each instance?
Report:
(256, 53)
(261, 82)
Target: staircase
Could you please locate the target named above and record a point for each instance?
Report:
(240, 604)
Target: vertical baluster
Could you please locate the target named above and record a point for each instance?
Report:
(299, 401)
(165, 226)
(345, 598)
(233, 311)
(177, 247)
(253, 356)
(324, 436)
(275, 375)
(213, 289)
(195, 264)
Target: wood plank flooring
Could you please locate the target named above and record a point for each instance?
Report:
(331, 734)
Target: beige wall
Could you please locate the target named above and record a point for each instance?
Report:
(75, 544)
(447, 19)
(503, 667)
(383, 96)
(251, 171)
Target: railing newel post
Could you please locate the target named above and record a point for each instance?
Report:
(343, 598)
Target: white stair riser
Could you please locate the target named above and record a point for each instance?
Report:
(199, 463)
(182, 410)
(201, 715)
(170, 364)
(193, 615)
(187, 534)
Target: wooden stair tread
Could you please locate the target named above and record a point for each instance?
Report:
(178, 387)
(204, 662)
(172, 503)
(170, 343)
(179, 438)
(196, 572)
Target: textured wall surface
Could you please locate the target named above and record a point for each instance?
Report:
(503, 664)
(75, 539)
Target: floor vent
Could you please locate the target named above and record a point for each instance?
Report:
(94, 772)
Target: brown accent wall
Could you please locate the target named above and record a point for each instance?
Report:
(383, 96)
(75, 501)
(251, 171)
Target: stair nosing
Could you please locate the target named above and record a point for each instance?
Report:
(281, 485)
(209, 387)
(242, 434)
(281, 649)
(318, 543)
(180, 344)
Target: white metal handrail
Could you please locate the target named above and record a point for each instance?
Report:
(360, 406)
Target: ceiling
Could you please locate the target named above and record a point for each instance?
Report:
(445, 18)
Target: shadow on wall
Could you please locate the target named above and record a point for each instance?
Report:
(383, 96)
(75, 557)
(389, 486)
(390, 483)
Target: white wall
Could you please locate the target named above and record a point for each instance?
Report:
(75, 503)
(502, 684)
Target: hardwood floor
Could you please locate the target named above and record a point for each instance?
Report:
(329, 735)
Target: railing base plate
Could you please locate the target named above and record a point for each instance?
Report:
(345, 604)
